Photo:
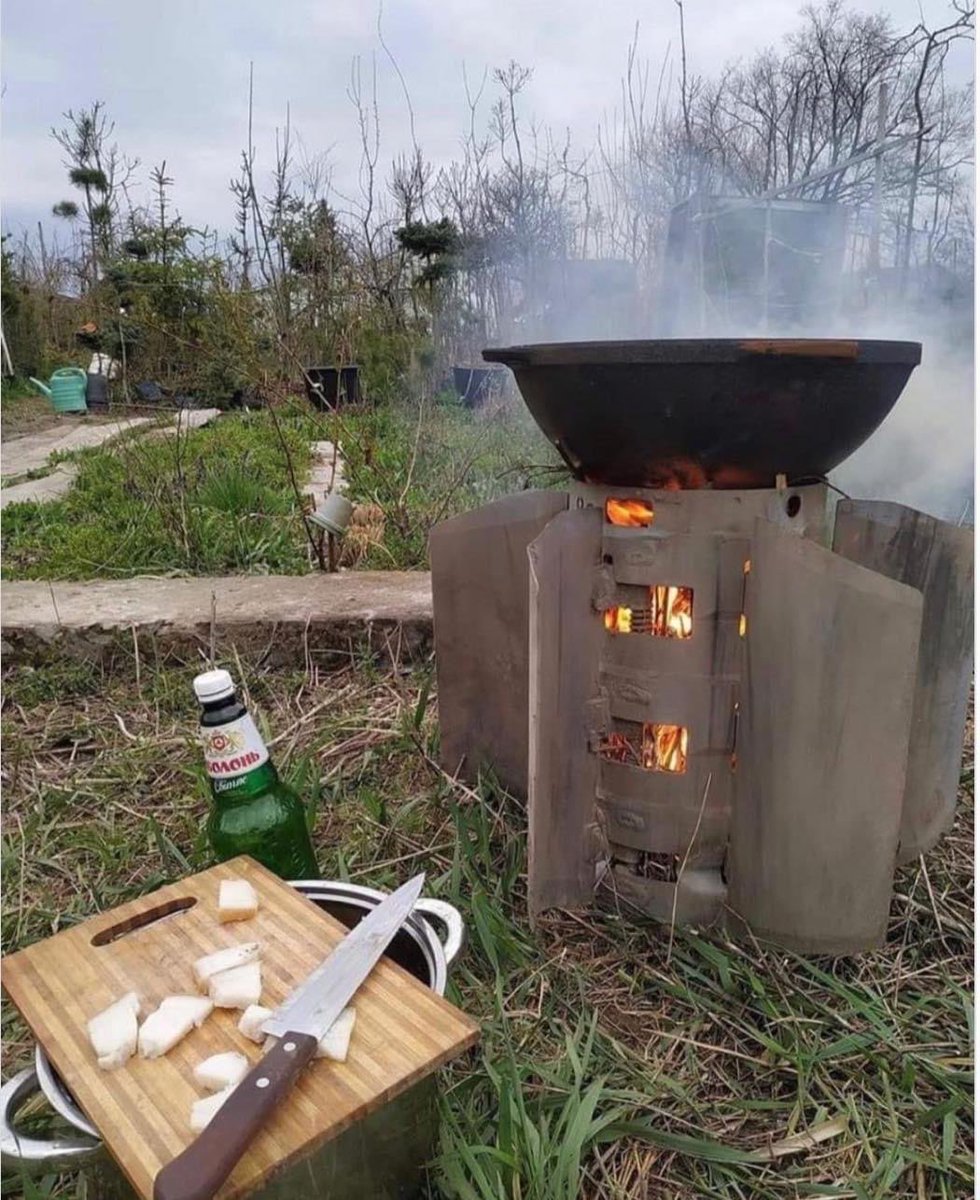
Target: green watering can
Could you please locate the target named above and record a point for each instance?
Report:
(67, 390)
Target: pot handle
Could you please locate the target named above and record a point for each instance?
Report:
(450, 921)
(31, 1155)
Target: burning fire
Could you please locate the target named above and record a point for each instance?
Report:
(673, 611)
(665, 748)
(662, 748)
(618, 748)
(636, 514)
(619, 620)
(671, 614)
(742, 619)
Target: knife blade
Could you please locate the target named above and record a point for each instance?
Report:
(320, 999)
(299, 1023)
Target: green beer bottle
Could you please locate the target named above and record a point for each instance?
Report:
(254, 812)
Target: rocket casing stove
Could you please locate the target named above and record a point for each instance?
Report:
(741, 707)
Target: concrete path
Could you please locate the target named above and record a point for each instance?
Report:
(19, 455)
(187, 419)
(17, 451)
(326, 471)
(288, 618)
(48, 487)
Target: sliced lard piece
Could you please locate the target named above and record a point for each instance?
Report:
(237, 900)
(221, 1071)
(114, 1032)
(335, 1043)
(238, 988)
(253, 1018)
(170, 1023)
(224, 960)
(198, 1008)
(202, 1111)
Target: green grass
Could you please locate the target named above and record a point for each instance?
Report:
(220, 499)
(613, 1064)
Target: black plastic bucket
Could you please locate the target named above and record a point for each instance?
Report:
(328, 387)
(96, 391)
(475, 385)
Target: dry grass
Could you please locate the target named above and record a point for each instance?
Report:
(610, 1066)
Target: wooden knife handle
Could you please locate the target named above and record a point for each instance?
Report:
(198, 1172)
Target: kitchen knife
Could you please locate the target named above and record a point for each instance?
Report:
(299, 1023)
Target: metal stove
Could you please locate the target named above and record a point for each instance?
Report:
(730, 698)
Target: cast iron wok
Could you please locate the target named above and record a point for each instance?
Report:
(724, 413)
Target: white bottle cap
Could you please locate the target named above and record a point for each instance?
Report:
(213, 685)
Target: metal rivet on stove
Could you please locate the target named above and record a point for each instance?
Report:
(289, 1047)
(262, 1083)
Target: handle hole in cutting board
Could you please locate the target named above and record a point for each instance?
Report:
(150, 917)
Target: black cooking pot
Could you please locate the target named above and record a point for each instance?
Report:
(725, 413)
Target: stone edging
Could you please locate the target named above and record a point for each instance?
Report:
(288, 620)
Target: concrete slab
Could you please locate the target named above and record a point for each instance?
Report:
(291, 620)
(22, 454)
(187, 419)
(48, 487)
(326, 471)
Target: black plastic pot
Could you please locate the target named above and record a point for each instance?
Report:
(328, 387)
(96, 391)
(475, 385)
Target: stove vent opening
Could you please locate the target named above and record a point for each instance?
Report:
(633, 514)
(652, 747)
(742, 619)
(670, 614)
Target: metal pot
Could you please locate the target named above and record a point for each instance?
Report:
(694, 412)
(381, 1156)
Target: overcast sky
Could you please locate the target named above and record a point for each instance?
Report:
(175, 76)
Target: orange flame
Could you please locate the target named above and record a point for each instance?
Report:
(742, 619)
(636, 514)
(665, 748)
(656, 748)
(673, 611)
(670, 615)
(619, 620)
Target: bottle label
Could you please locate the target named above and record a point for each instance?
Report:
(233, 749)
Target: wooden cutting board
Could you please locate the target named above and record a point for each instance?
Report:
(404, 1031)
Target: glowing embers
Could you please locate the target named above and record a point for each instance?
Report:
(652, 747)
(670, 614)
(618, 620)
(635, 514)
